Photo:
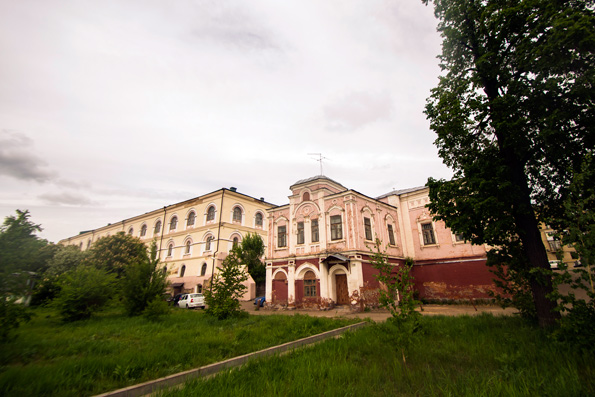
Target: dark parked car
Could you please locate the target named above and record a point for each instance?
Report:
(175, 299)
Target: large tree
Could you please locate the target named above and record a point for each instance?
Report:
(513, 111)
(250, 253)
(115, 253)
(22, 252)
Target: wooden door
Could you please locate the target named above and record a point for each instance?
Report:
(342, 290)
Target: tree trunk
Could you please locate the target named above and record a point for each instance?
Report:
(529, 233)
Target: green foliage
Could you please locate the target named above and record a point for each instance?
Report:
(513, 120)
(143, 282)
(22, 253)
(84, 291)
(458, 356)
(249, 253)
(115, 253)
(226, 289)
(11, 316)
(156, 309)
(512, 281)
(65, 259)
(112, 350)
(398, 297)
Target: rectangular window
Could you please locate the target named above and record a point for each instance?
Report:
(300, 232)
(336, 227)
(368, 228)
(459, 238)
(310, 288)
(315, 237)
(428, 234)
(391, 235)
(281, 236)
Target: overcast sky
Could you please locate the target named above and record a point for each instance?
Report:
(109, 109)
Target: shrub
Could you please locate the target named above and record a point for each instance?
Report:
(11, 316)
(84, 291)
(156, 309)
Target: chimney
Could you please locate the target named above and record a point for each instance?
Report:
(233, 189)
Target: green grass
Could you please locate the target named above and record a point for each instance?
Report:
(463, 356)
(110, 350)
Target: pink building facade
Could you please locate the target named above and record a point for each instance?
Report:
(319, 246)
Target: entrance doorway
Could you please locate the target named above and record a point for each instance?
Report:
(341, 288)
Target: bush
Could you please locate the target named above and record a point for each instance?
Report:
(84, 291)
(11, 316)
(156, 309)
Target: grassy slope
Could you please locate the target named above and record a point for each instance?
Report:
(111, 351)
(465, 356)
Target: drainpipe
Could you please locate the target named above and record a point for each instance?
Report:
(218, 238)
(162, 231)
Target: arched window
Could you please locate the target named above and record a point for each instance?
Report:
(157, 228)
(81, 246)
(258, 219)
(130, 231)
(182, 270)
(236, 241)
(306, 196)
(88, 243)
(203, 271)
(309, 284)
(164, 270)
(173, 223)
(237, 214)
(170, 250)
(143, 231)
(211, 213)
(208, 244)
(188, 245)
(191, 219)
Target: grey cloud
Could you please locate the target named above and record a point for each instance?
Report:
(17, 160)
(66, 198)
(357, 110)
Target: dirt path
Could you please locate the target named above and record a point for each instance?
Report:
(381, 315)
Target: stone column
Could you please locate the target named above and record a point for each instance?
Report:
(291, 283)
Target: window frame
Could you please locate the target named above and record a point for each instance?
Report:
(310, 284)
(211, 213)
(427, 232)
(336, 227)
(143, 230)
(191, 217)
(315, 231)
(237, 210)
(208, 242)
(391, 234)
(157, 228)
(173, 223)
(368, 228)
(301, 237)
(258, 219)
(281, 236)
